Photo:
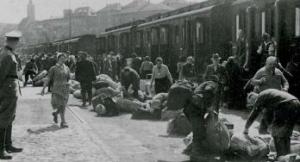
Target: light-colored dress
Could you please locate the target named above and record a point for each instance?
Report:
(60, 75)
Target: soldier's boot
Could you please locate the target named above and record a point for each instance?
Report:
(3, 154)
(8, 142)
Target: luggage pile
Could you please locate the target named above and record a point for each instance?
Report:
(38, 81)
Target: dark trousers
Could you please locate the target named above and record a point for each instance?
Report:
(28, 74)
(282, 145)
(86, 88)
(5, 137)
(162, 85)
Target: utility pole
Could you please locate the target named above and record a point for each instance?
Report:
(70, 25)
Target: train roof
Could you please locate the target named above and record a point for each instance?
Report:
(201, 7)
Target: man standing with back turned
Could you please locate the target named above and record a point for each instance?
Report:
(85, 73)
(9, 88)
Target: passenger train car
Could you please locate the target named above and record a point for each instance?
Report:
(199, 30)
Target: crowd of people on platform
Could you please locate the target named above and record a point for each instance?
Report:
(270, 86)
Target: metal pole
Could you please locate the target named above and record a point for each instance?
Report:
(70, 24)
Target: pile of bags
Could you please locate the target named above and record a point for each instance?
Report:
(103, 85)
(38, 80)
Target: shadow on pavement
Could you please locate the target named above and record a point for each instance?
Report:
(51, 128)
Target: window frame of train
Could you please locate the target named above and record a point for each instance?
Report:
(240, 21)
(163, 35)
(154, 36)
(297, 21)
(200, 30)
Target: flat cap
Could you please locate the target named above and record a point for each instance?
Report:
(13, 34)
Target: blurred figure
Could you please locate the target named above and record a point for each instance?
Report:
(293, 67)
(188, 69)
(85, 73)
(107, 65)
(181, 62)
(215, 70)
(136, 62)
(71, 63)
(235, 84)
(241, 54)
(130, 81)
(161, 76)
(217, 73)
(30, 70)
(269, 77)
(146, 67)
(266, 49)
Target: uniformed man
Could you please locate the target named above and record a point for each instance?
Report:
(281, 111)
(9, 88)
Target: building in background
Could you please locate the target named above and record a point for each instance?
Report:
(84, 20)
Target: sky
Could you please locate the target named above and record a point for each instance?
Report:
(13, 11)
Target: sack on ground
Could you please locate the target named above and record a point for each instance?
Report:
(169, 114)
(217, 134)
(40, 76)
(289, 158)
(77, 94)
(126, 105)
(75, 84)
(108, 80)
(100, 84)
(249, 146)
(145, 112)
(179, 126)
(97, 100)
(111, 108)
(107, 92)
(38, 83)
(179, 95)
(157, 100)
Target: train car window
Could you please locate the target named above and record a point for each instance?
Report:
(177, 35)
(199, 33)
(154, 35)
(263, 22)
(163, 35)
(138, 39)
(297, 23)
(237, 25)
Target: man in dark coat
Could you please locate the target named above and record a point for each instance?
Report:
(85, 73)
(281, 111)
(30, 70)
(9, 87)
(130, 81)
(188, 69)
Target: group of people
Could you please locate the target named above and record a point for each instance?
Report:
(270, 86)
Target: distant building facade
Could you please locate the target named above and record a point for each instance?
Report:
(84, 20)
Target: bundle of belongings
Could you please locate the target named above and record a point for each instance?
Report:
(210, 135)
(103, 84)
(153, 108)
(38, 80)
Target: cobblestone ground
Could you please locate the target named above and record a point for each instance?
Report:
(44, 141)
(94, 139)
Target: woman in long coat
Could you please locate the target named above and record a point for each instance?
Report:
(60, 74)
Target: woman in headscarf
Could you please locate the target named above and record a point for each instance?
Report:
(60, 75)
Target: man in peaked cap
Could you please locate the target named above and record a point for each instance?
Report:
(9, 88)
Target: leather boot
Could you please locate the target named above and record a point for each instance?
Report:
(4, 156)
(12, 149)
(8, 142)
